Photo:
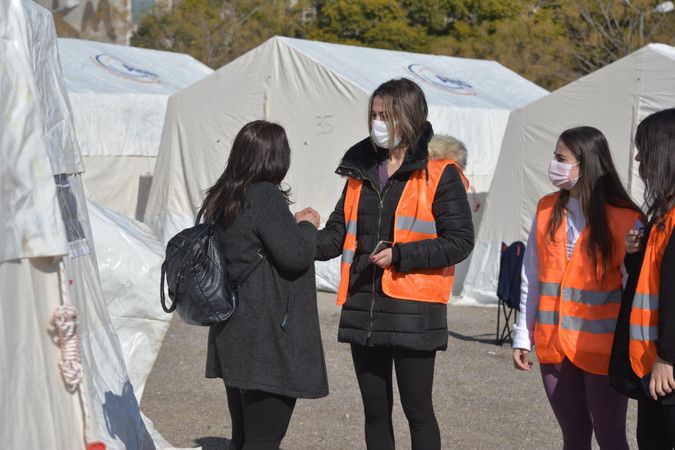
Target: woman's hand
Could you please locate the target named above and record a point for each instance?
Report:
(521, 359)
(382, 259)
(634, 241)
(662, 382)
(310, 215)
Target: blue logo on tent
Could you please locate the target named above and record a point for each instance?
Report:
(120, 68)
(441, 81)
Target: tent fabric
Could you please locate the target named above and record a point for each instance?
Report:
(613, 99)
(127, 194)
(30, 223)
(118, 96)
(130, 257)
(37, 409)
(319, 92)
(62, 144)
(32, 389)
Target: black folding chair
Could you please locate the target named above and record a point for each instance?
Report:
(508, 290)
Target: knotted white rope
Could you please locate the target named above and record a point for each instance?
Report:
(65, 321)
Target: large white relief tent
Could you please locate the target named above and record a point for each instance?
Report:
(47, 259)
(118, 96)
(613, 99)
(319, 92)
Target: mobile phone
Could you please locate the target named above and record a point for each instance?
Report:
(381, 246)
(639, 227)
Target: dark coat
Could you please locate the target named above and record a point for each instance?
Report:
(621, 374)
(369, 317)
(272, 342)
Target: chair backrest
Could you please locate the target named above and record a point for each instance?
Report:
(510, 264)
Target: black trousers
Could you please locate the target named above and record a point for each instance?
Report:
(259, 419)
(656, 425)
(415, 379)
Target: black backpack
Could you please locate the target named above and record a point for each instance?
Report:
(195, 272)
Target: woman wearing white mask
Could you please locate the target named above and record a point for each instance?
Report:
(393, 295)
(571, 289)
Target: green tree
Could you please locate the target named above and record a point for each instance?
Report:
(523, 36)
(450, 17)
(434, 15)
(217, 31)
(373, 23)
(550, 42)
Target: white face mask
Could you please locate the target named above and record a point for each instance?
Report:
(379, 133)
(560, 174)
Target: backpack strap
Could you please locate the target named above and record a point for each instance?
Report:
(200, 216)
(161, 291)
(260, 256)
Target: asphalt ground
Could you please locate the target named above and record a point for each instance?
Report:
(481, 402)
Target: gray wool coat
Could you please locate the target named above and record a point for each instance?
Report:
(272, 342)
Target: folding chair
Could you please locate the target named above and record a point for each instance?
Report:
(508, 289)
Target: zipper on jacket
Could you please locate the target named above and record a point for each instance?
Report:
(379, 223)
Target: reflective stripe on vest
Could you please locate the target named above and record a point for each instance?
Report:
(578, 307)
(351, 208)
(413, 221)
(644, 316)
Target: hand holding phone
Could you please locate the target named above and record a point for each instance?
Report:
(382, 254)
(634, 238)
(381, 246)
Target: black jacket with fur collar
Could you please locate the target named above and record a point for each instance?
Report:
(369, 317)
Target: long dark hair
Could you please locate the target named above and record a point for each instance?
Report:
(599, 186)
(655, 141)
(260, 152)
(405, 108)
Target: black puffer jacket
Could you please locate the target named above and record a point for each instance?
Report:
(369, 317)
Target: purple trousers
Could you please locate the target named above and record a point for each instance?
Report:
(583, 403)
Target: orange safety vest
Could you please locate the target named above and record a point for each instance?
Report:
(413, 221)
(578, 307)
(644, 316)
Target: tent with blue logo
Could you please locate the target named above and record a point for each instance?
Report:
(319, 92)
(118, 96)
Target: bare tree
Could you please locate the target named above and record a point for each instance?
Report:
(606, 30)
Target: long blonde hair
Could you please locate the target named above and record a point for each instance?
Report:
(405, 109)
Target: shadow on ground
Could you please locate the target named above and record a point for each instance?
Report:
(486, 338)
(213, 443)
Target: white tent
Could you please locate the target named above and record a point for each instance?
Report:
(47, 258)
(319, 93)
(118, 96)
(613, 99)
(129, 258)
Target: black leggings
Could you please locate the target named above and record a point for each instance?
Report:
(415, 378)
(259, 419)
(656, 425)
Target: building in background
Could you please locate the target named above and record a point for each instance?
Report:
(110, 21)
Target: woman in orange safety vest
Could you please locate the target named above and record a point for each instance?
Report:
(402, 223)
(571, 289)
(644, 346)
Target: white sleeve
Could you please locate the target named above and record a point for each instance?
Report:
(523, 329)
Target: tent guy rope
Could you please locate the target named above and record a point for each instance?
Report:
(65, 320)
